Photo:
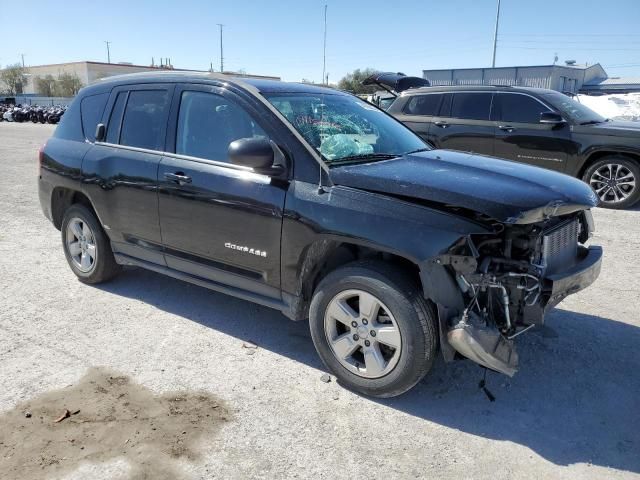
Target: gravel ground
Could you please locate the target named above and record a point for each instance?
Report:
(571, 412)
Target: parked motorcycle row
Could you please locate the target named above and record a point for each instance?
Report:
(31, 113)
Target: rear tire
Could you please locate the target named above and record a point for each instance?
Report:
(616, 181)
(86, 246)
(380, 351)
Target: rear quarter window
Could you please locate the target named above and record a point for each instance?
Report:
(91, 109)
(70, 126)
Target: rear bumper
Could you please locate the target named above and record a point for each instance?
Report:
(577, 278)
(45, 190)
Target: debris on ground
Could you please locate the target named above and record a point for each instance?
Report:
(326, 378)
(66, 414)
(27, 414)
(250, 346)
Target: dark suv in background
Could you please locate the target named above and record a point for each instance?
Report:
(530, 125)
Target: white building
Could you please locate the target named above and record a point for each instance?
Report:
(89, 72)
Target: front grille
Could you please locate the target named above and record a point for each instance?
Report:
(560, 246)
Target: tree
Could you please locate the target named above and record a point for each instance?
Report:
(352, 82)
(68, 85)
(45, 86)
(14, 78)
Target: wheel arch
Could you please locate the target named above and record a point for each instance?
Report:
(328, 254)
(594, 156)
(62, 198)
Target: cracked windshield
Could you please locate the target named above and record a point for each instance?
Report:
(345, 129)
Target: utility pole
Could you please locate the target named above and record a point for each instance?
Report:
(108, 52)
(221, 50)
(22, 55)
(324, 48)
(495, 36)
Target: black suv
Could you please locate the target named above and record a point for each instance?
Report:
(530, 125)
(320, 205)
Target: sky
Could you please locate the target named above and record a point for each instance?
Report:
(285, 38)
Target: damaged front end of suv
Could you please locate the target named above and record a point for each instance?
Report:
(526, 255)
(490, 288)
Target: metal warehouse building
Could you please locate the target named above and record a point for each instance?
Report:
(570, 78)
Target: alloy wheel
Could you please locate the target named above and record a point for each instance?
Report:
(362, 333)
(613, 183)
(81, 245)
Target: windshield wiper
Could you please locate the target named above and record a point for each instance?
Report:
(592, 122)
(426, 149)
(365, 157)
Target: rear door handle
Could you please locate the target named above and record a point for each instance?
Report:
(179, 177)
(506, 128)
(441, 124)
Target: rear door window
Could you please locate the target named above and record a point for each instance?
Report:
(426, 105)
(91, 109)
(471, 106)
(515, 107)
(208, 123)
(145, 118)
(115, 119)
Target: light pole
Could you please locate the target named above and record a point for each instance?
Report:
(22, 55)
(221, 49)
(108, 52)
(324, 47)
(495, 36)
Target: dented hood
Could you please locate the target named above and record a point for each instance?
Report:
(507, 191)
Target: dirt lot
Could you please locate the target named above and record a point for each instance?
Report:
(168, 384)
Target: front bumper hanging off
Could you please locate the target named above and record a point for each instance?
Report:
(487, 347)
(576, 278)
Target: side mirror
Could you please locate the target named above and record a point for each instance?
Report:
(100, 132)
(551, 118)
(256, 153)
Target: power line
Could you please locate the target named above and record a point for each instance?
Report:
(549, 47)
(570, 35)
(565, 42)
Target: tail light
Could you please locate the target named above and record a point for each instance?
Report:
(40, 157)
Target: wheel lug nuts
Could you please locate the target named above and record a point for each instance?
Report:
(365, 321)
(356, 337)
(354, 324)
(367, 343)
(373, 333)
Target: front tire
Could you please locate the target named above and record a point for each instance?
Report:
(373, 329)
(616, 181)
(86, 246)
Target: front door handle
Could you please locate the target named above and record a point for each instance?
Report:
(179, 177)
(441, 124)
(506, 128)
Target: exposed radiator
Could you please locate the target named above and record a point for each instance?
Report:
(560, 246)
